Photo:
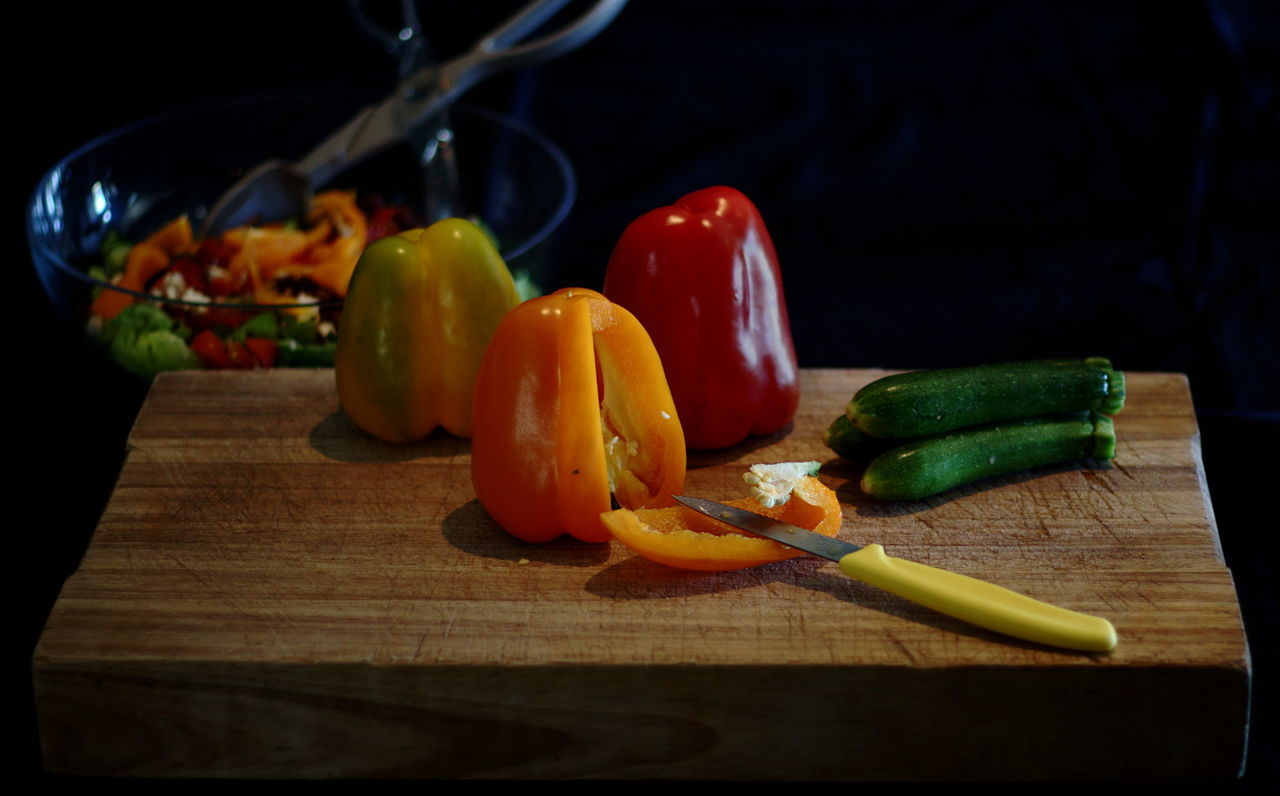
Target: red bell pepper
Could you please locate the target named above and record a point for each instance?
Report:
(702, 277)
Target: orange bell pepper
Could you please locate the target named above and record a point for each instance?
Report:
(571, 404)
(681, 537)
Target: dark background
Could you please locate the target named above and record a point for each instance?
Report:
(945, 183)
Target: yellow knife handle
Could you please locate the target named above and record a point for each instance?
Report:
(983, 604)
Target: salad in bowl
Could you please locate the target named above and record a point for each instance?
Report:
(251, 297)
(112, 227)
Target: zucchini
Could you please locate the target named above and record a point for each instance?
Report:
(928, 402)
(296, 355)
(924, 467)
(848, 441)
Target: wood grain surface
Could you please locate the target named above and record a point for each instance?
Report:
(272, 593)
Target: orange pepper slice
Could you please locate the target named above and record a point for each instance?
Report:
(175, 237)
(145, 260)
(336, 261)
(681, 537)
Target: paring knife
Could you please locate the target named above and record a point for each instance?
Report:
(974, 601)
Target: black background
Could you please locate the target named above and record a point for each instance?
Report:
(945, 183)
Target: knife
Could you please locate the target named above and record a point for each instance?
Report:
(959, 596)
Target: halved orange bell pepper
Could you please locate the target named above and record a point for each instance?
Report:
(422, 307)
(681, 537)
(571, 404)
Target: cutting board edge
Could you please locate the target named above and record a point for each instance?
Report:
(657, 722)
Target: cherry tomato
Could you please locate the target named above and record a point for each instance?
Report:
(263, 350)
(211, 350)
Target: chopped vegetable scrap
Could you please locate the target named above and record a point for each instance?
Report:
(684, 538)
(571, 404)
(772, 484)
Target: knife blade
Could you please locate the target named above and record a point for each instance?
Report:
(959, 596)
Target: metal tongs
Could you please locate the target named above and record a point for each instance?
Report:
(277, 189)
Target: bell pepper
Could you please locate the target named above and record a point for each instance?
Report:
(702, 276)
(681, 537)
(421, 308)
(571, 405)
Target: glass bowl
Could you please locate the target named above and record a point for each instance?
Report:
(132, 181)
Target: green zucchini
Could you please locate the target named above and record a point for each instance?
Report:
(296, 355)
(927, 402)
(924, 467)
(848, 441)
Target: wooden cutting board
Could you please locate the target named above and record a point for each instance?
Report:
(272, 593)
